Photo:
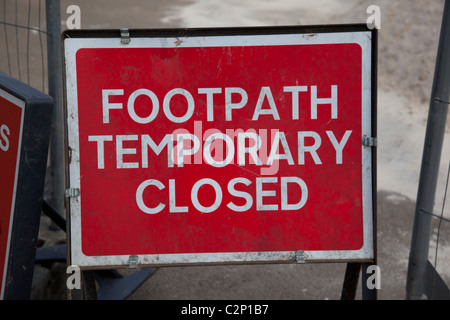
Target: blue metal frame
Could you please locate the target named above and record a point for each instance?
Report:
(30, 186)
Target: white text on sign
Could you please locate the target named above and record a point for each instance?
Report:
(219, 149)
(4, 137)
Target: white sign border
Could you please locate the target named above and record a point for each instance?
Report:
(362, 38)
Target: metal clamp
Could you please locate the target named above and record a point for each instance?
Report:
(440, 100)
(133, 261)
(124, 36)
(72, 192)
(300, 256)
(369, 141)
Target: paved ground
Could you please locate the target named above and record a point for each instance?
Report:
(279, 282)
(308, 281)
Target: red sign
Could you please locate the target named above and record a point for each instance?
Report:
(218, 146)
(11, 110)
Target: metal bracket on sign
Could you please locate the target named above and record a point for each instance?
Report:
(133, 261)
(124, 36)
(442, 101)
(72, 192)
(300, 256)
(369, 141)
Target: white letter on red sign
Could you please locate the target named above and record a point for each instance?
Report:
(140, 196)
(295, 105)
(106, 105)
(265, 92)
(230, 105)
(207, 150)
(120, 151)
(209, 100)
(251, 150)
(280, 137)
(311, 149)
(249, 200)
(190, 106)
(260, 194)
(155, 106)
(339, 146)
(100, 149)
(316, 101)
(194, 195)
(181, 151)
(4, 132)
(284, 193)
(172, 199)
(147, 141)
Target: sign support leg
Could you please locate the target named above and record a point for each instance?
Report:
(111, 285)
(89, 289)
(350, 281)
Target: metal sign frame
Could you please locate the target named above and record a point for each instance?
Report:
(73, 40)
(32, 150)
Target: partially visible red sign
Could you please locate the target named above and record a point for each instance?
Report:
(10, 133)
